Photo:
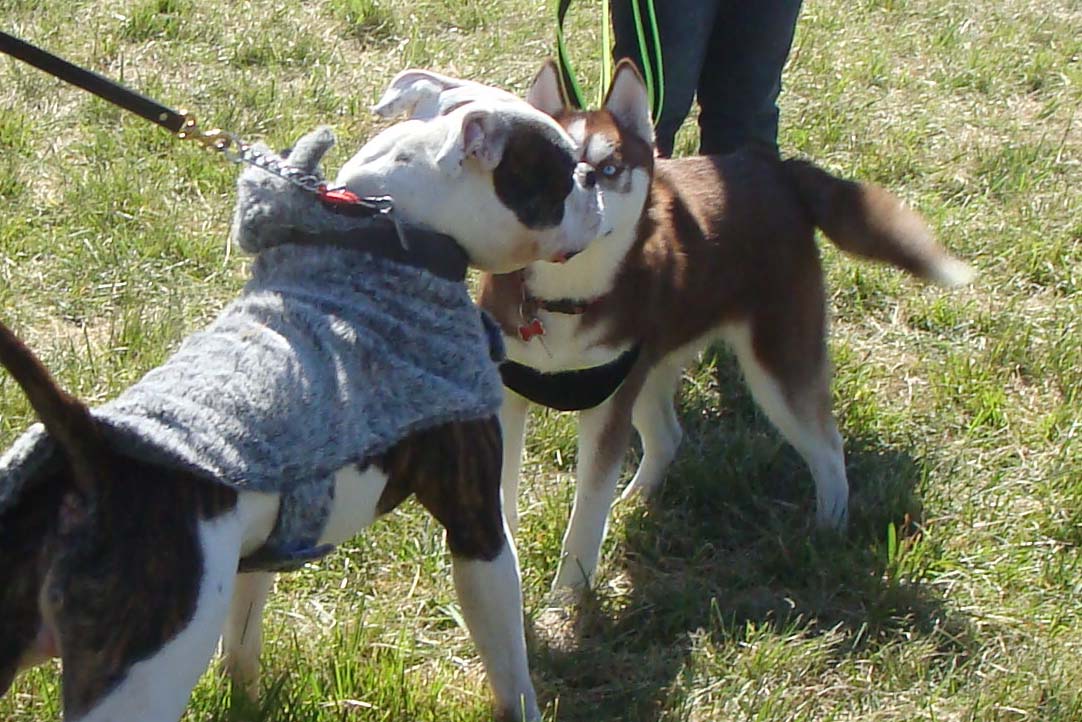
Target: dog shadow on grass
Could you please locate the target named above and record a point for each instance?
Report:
(727, 550)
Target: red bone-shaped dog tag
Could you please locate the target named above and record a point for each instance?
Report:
(531, 329)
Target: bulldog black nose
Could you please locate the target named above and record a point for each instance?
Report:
(590, 179)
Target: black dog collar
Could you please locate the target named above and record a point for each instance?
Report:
(434, 252)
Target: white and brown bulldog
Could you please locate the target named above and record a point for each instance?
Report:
(309, 408)
(703, 248)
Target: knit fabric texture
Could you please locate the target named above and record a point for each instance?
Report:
(329, 357)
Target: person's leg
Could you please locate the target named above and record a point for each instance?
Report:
(684, 29)
(740, 78)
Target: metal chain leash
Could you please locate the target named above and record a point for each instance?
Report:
(238, 151)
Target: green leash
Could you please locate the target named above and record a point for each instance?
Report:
(653, 72)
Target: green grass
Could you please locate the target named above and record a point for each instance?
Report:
(956, 595)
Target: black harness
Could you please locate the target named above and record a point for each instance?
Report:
(569, 390)
(573, 390)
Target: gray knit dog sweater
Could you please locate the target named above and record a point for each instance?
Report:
(329, 357)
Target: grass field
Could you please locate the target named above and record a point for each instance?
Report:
(957, 593)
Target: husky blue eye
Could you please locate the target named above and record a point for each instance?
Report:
(609, 170)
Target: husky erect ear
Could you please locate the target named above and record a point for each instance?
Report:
(547, 90)
(482, 136)
(628, 102)
(66, 418)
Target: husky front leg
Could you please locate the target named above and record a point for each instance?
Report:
(603, 441)
(604, 435)
(513, 415)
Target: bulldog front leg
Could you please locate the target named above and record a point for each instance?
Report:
(455, 472)
(490, 593)
(242, 637)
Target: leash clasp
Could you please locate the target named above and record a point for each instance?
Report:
(215, 139)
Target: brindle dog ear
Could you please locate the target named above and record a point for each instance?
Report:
(67, 419)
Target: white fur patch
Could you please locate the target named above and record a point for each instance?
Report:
(356, 495)
(157, 689)
(577, 130)
(564, 346)
(599, 149)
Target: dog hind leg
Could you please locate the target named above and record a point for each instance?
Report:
(799, 406)
(242, 637)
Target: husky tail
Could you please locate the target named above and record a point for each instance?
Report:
(867, 221)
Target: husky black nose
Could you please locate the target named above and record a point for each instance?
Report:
(590, 179)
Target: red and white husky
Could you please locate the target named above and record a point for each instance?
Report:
(703, 248)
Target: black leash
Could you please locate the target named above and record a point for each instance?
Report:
(99, 85)
(184, 125)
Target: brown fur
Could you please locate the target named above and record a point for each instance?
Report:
(732, 237)
(454, 470)
(724, 246)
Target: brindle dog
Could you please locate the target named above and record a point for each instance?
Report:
(101, 556)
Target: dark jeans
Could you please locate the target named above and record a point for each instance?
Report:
(728, 52)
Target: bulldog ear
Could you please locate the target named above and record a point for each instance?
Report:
(628, 102)
(547, 90)
(482, 136)
(413, 92)
(423, 95)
